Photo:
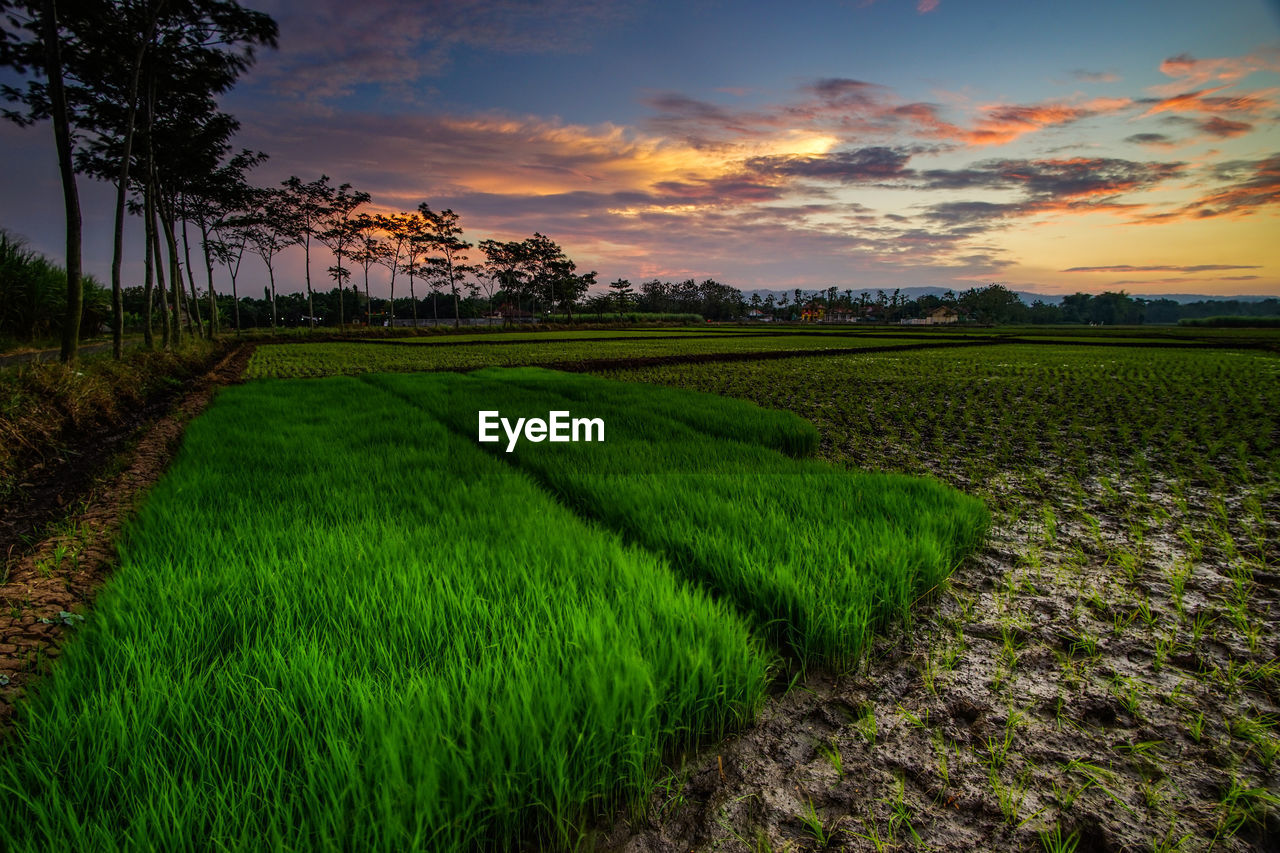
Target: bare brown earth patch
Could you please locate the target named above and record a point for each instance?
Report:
(1102, 676)
(43, 589)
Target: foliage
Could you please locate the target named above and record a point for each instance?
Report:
(1232, 321)
(33, 295)
(44, 405)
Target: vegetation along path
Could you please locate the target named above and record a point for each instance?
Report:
(44, 586)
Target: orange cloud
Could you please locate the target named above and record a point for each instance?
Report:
(1003, 123)
(1190, 71)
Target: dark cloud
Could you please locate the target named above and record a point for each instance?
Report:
(862, 164)
(1224, 128)
(328, 48)
(1074, 178)
(846, 92)
(1255, 185)
(1158, 140)
(726, 190)
(1095, 76)
(969, 212)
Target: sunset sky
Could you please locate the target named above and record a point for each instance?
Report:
(1054, 147)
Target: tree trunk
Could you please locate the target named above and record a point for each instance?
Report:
(122, 187)
(311, 303)
(148, 289)
(271, 273)
(191, 280)
(235, 296)
(413, 302)
(70, 196)
(175, 277)
(368, 303)
(341, 293)
(453, 285)
(158, 258)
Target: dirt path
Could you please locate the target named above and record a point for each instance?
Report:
(51, 354)
(41, 591)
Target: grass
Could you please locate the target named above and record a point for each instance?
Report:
(298, 651)
(327, 359)
(339, 624)
(44, 405)
(818, 557)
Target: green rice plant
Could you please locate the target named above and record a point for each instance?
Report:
(830, 750)
(1053, 841)
(1242, 806)
(301, 360)
(819, 558)
(865, 725)
(814, 824)
(336, 625)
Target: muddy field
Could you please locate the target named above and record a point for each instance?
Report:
(1103, 676)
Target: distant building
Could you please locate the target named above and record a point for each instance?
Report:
(942, 314)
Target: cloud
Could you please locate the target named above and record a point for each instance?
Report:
(848, 166)
(1208, 101)
(1168, 268)
(330, 48)
(1190, 71)
(1077, 177)
(926, 6)
(1156, 140)
(1000, 124)
(1256, 186)
(1224, 128)
(1095, 76)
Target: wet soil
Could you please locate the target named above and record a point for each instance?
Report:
(1103, 674)
(43, 588)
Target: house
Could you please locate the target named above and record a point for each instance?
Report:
(813, 313)
(942, 314)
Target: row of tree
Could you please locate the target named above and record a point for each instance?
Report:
(131, 88)
(996, 303)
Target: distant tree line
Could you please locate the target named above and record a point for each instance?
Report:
(995, 303)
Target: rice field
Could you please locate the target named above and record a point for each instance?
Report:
(338, 623)
(328, 359)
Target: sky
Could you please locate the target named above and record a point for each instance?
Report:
(868, 144)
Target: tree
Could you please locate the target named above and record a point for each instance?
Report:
(622, 292)
(268, 229)
(994, 303)
(397, 229)
(505, 264)
(368, 250)
(309, 206)
(342, 231)
(444, 235)
(234, 206)
(49, 39)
